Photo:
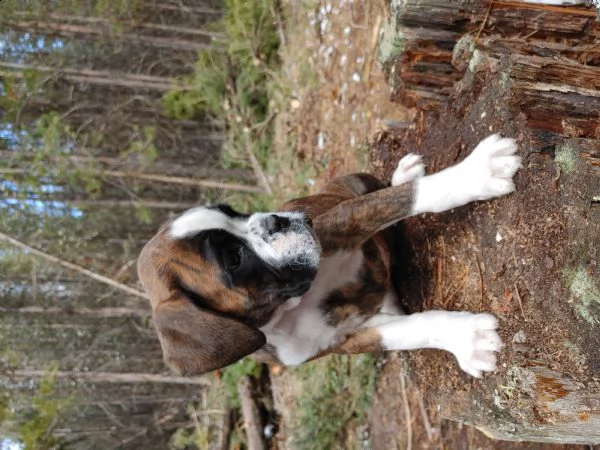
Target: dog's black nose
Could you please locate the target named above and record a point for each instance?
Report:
(275, 223)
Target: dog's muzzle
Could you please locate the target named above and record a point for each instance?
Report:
(284, 239)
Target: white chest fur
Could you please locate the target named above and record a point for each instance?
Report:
(298, 329)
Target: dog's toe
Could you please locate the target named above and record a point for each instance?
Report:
(476, 343)
(495, 145)
(409, 168)
(478, 362)
(505, 166)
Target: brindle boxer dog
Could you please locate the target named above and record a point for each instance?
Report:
(314, 277)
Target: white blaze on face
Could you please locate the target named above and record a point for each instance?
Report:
(196, 220)
(293, 246)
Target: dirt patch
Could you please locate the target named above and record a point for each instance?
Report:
(338, 95)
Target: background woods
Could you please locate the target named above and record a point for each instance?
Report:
(103, 135)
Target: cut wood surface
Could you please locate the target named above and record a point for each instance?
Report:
(474, 68)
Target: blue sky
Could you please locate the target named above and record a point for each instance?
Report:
(11, 141)
(24, 46)
(48, 207)
(9, 444)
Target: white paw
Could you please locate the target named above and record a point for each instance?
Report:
(474, 341)
(409, 168)
(488, 171)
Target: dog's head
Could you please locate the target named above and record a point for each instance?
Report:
(214, 276)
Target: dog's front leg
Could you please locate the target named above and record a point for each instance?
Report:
(353, 221)
(486, 173)
(472, 338)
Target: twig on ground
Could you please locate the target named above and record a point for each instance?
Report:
(485, 19)
(224, 437)
(425, 417)
(450, 293)
(258, 170)
(480, 278)
(440, 271)
(251, 414)
(407, 415)
(520, 302)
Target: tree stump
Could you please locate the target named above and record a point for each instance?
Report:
(473, 68)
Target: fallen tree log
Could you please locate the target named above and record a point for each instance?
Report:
(251, 413)
(473, 68)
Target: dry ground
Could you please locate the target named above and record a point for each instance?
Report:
(337, 95)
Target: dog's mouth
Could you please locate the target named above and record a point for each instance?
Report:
(296, 291)
(289, 281)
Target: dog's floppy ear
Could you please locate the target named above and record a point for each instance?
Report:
(195, 340)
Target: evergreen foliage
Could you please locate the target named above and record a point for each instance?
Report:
(340, 392)
(33, 425)
(90, 166)
(110, 112)
(233, 81)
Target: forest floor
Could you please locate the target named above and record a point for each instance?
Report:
(339, 119)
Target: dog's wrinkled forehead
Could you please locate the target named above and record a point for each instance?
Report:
(280, 239)
(203, 218)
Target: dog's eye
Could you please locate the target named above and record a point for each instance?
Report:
(234, 258)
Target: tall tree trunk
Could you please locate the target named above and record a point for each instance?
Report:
(126, 164)
(112, 377)
(160, 179)
(94, 312)
(96, 77)
(74, 267)
(188, 9)
(51, 22)
(70, 30)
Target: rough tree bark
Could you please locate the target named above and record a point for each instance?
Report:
(95, 77)
(77, 31)
(533, 72)
(160, 179)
